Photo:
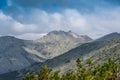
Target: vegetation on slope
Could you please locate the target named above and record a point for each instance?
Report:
(98, 52)
(108, 71)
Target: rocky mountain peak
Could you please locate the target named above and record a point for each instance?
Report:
(58, 42)
(56, 32)
(69, 33)
(61, 35)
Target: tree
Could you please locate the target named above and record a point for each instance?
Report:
(29, 76)
(106, 71)
(78, 64)
(44, 73)
(89, 62)
(56, 75)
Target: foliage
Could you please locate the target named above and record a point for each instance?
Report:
(29, 76)
(44, 73)
(107, 71)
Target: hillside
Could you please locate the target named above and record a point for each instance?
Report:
(99, 52)
(16, 54)
(109, 36)
(13, 56)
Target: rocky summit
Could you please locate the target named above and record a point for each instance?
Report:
(58, 42)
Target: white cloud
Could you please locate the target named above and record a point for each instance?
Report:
(94, 24)
(31, 36)
(103, 21)
(10, 26)
(24, 27)
(66, 20)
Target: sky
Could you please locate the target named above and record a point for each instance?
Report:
(29, 19)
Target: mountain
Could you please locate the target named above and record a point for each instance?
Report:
(56, 43)
(98, 51)
(16, 54)
(109, 36)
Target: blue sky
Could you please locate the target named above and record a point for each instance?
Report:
(3, 3)
(94, 18)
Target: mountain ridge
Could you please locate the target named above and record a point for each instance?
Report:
(109, 36)
(16, 54)
(98, 50)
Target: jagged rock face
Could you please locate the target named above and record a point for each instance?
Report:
(16, 54)
(56, 43)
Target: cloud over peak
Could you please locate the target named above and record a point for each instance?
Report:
(89, 17)
(39, 21)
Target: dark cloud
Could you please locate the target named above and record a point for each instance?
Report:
(17, 7)
(63, 3)
(115, 2)
(39, 3)
(52, 4)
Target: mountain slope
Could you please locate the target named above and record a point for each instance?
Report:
(109, 36)
(13, 55)
(16, 54)
(98, 51)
